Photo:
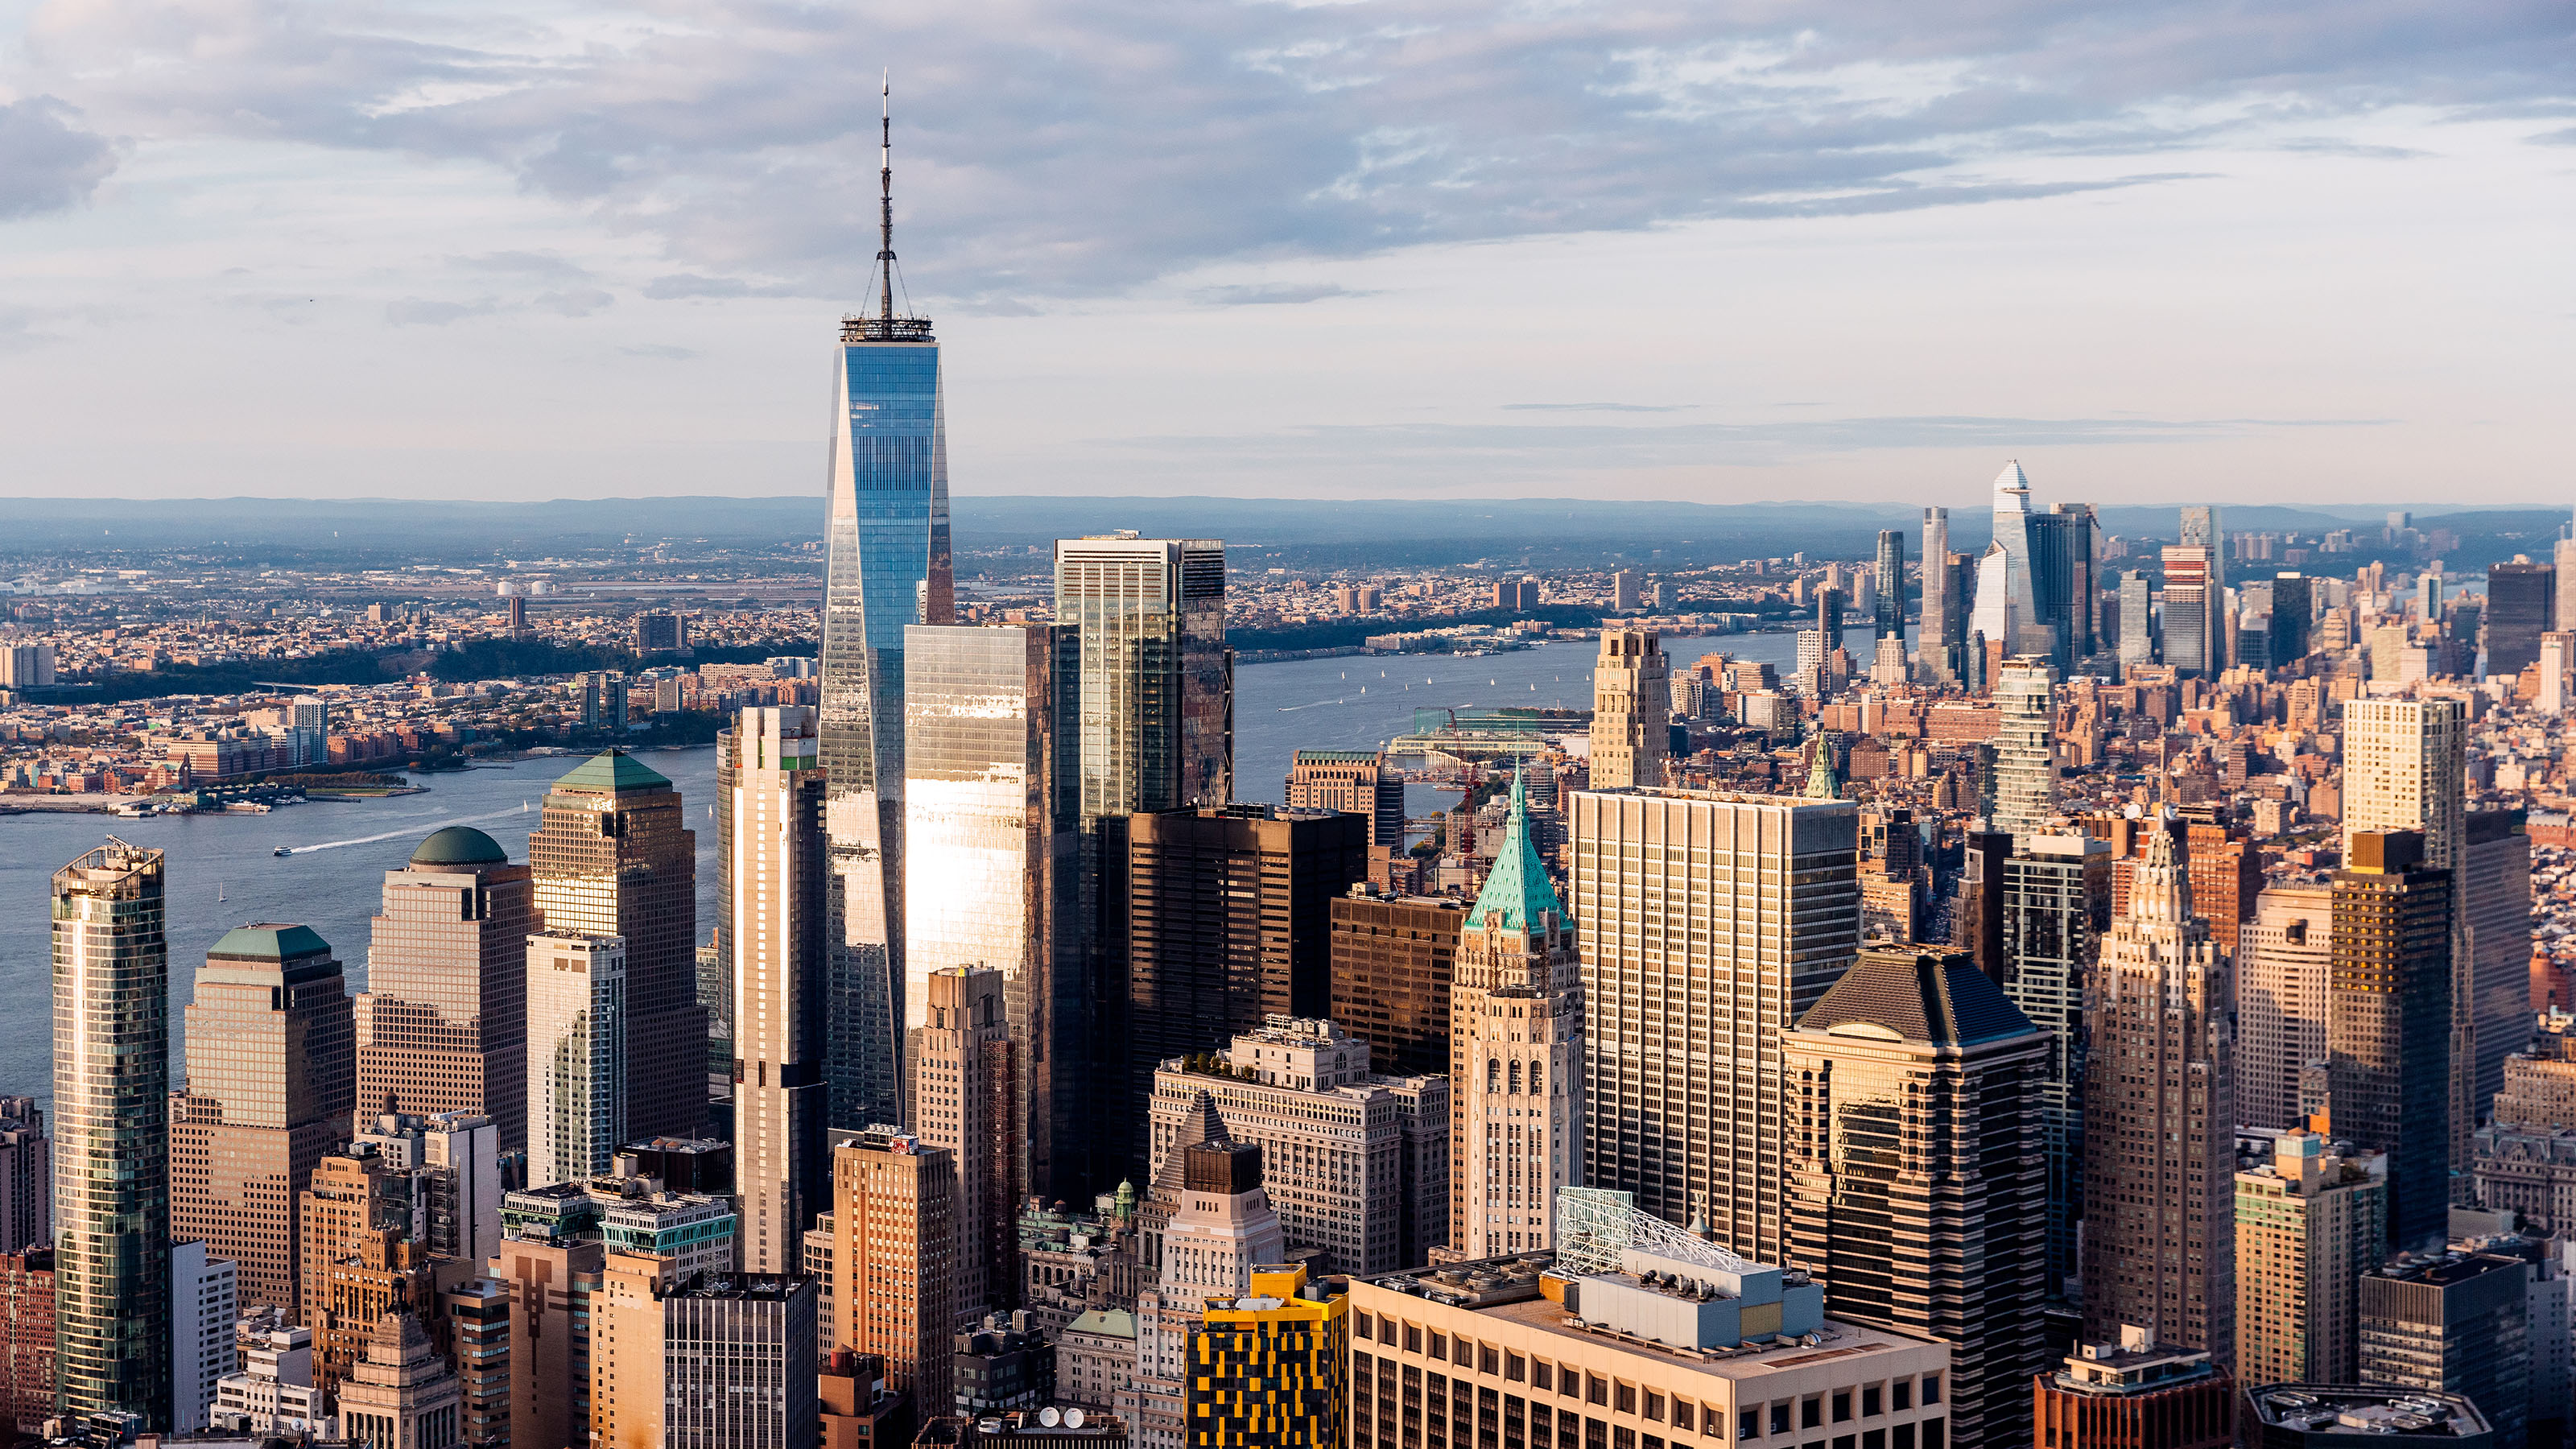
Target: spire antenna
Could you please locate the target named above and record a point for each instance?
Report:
(885, 183)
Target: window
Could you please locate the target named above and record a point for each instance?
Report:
(1870, 1402)
(1413, 1338)
(1596, 1389)
(1654, 1406)
(1842, 1406)
(1873, 1439)
(1932, 1433)
(1539, 1373)
(1748, 1424)
(1780, 1417)
(1439, 1345)
(1364, 1324)
(1627, 1399)
(1903, 1389)
(1904, 1436)
(1931, 1394)
(1488, 1361)
(1386, 1332)
(1682, 1413)
(1515, 1367)
(1811, 1412)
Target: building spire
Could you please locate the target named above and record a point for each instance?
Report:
(2160, 888)
(1822, 781)
(885, 184)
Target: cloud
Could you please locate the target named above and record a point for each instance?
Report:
(2555, 138)
(1598, 407)
(1271, 294)
(423, 312)
(1047, 149)
(523, 264)
(662, 351)
(46, 163)
(580, 302)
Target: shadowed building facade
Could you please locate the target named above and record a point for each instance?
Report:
(442, 1025)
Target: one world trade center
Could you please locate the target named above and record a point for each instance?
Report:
(886, 565)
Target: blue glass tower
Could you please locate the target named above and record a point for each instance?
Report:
(886, 566)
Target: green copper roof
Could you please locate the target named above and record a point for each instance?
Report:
(1518, 892)
(1822, 782)
(271, 942)
(460, 845)
(616, 771)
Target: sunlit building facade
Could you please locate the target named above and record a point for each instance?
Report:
(771, 789)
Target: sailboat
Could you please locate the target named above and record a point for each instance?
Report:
(219, 893)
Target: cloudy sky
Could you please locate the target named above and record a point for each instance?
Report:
(1723, 251)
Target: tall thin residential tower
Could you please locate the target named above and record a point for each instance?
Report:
(774, 867)
(1891, 583)
(886, 567)
(1936, 646)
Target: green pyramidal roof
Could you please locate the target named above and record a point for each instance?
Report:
(1518, 892)
(614, 770)
(1822, 781)
(267, 941)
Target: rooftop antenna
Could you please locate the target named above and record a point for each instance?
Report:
(885, 182)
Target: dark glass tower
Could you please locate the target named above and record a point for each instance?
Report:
(886, 566)
(1891, 583)
(2388, 1024)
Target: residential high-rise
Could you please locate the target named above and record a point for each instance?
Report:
(2056, 905)
(478, 1316)
(112, 1134)
(1632, 710)
(2226, 877)
(1271, 1369)
(551, 1288)
(2132, 1392)
(992, 842)
(684, 1360)
(26, 1339)
(2025, 747)
(1707, 923)
(2159, 1150)
(2137, 620)
(771, 791)
(2405, 768)
(966, 1098)
(2282, 967)
(1937, 646)
(2388, 1023)
(1355, 782)
(2521, 599)
(1227, 919)
(2308, 1225)
(614, 857)
(1516, 1056)
(2453, 1323)
(1917, 1092)
(403, 1395)
(1395, 963)
(581, 1052)
(1891, 583)
(894, 1257)
(205, 1305)
(270, 1065)
(886, 567)
(442, 1025)
(26, 1176)
(1364, 1158)
(2195, 611)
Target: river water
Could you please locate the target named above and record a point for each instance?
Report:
(222, 872)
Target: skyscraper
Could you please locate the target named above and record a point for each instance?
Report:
(967, 1100)
(614, 858)
(2056, 903)
(1891, 583)
(112, 1134)
(27, 1175)
(2013, 536)
(2388, 1023)
(2195, 611)
(2521, 600)
(1157, 682)
(270, 1059)
(2495, 908)
(1998, 619)
(771, 792)
(885, 568)
(991, 846)
(1707, 923)
(894, 1257)
(2026, 747)
(2453, 1323)
(710, 1361)
(1632, 710)
(1395, 966)
(1916, 1088)
(580, 1053)
(2137, 620)
(442, 1025)
(2406, 769)
(2308, 1224)
(1516, 1056)
(2160, 1153)
(1357, 782)
(1937, 646)
(2281, 973)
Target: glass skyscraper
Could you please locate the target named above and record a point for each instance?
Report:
(886, 568)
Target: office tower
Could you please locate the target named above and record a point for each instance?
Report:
(614, 858)
(1891, 583)
(2135, 1393)
(2453, 1323)
(992, 842)
(518, 617)
(2137, 620)
(2295, 598)
(1364, 1158)
(550, 1287)
(2061, 580)
(1977, 921)
(966, 1070)
(26, 1176)
(403, 1393)
(1516, 1057)
(204, 1304)
(2025, 747)
(1394, 964)
(1829, 618)
(2308, 1225)
(270, 1057)
(2556, 648)
(580, 1049)
(26, 666)
(1157, 682)
(452, 1165)
(2195, 612)
(2226, 877)
(1623, 591)
(1916, 1088)
(2055, 906)
(478, 1319)
(2012, 535)
(2159, 1152)
(2405, 768)
(1937, 644)
(1222, 1226)
(1685, 1099)
(1631, 710)
(895, 1257)
(388, 1271)
(443, 1023)
(771, 793)
(2282, 967)
(2325, 1416)
(26, 1339)
(2520, 601)
(112, 1143)
(351, 1194)
(2388, 1020)
(2495, 907)
(701, 1362)
(657, 631)
(1997, 619)
(1271, 1370)
(1355, 782)
(1228, 919)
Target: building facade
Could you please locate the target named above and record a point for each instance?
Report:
(1632, 709)
(2389, 1024)
(2025, 747)
(2453, 1323)
(403, 1395)
(1355, 782)
(2056, 905)
(2134, 1393)
(894, 1257)
(2307, 1226)
(2282, 968)
(775, 869)
(1394, 959)
(205, 1304)
(442, 1025)
(580, 1046)
(966, 1068)
(1271, 1369)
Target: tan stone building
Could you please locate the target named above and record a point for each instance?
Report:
(962, 1067)
(2307, 1226)
(894, 1257)
(403, 1395)
(1632, 707)
(442, 1025)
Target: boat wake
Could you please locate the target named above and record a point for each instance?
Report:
(422, 829)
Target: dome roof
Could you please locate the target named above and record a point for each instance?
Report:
(460, 845)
